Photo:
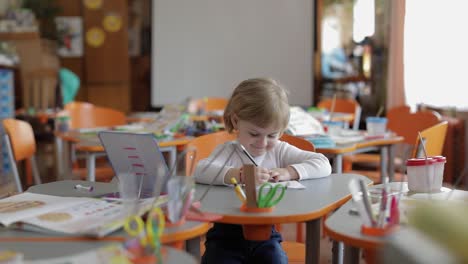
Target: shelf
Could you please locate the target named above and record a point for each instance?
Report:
(18, 35)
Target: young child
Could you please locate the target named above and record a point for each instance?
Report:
(258, 113)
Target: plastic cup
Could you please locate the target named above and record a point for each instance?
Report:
(439, 170)
(376, 125)
(333, 128)
(421, 177)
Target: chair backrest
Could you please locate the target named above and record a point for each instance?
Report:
(87, 115)
(40, 89)
(344, 105)
(205, 145)
(207, 104)
(434, 138)
(215, 103)
(407, 124)
(21, 137)
(299, 142)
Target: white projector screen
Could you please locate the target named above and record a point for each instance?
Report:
(206, 47)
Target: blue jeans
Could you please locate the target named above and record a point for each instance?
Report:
(225, 243)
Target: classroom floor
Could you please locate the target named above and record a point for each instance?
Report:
(289, 234)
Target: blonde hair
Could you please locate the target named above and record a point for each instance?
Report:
(260, 101)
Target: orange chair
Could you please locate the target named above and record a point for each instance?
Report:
(87, 115)
(343, 105)
(207, 104)
(21, 145)
(201, 147)
(404, 123)
(433, 138)
(204, 146)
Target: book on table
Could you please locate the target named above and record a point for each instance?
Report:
(69, 215)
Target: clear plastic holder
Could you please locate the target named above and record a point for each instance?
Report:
(181, 192)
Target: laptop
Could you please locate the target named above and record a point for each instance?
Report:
(137, 161)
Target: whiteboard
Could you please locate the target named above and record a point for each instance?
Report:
(206, 47)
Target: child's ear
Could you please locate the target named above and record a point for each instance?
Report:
(235, 122)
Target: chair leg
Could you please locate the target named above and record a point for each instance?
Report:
(14, 167)
(299, 231)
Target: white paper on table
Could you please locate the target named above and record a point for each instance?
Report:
(289, 184)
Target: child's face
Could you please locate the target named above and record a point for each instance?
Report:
(257, 140)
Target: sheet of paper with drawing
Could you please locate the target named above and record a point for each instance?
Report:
(137, 161)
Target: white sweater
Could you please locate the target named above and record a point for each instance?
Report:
(307, 164)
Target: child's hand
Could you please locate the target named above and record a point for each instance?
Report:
(279, 174)
(263, 175)
(283, 174)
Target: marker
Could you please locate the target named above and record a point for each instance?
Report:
(239, 192)
(84, 188)
(248, 155)
(366, 202)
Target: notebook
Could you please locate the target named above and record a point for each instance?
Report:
(136, 157)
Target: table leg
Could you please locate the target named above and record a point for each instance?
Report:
(337, 251)
(338, 163)
(65, 169)
(193, 247)
(383, 163)
(391, 163)
(91, 166)
(59, 157)
(351, 255)
(313, 241)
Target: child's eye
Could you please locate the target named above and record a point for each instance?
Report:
(272, 136)
(253, 134)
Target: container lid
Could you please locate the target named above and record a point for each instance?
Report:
(420, 161)
(333, 123)
(439, 158)
(375, 119)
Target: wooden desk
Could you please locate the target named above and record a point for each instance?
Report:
(90, 145)
(344, 227)
(320, 197)
(44, 250)
(189, 232)
(384, 145)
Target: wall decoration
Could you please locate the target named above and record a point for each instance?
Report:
(93, 4)
(112, 22)
(95, 37)
(70, 36)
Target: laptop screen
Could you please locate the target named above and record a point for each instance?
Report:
(137, 161)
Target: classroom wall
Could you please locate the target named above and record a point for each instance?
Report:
(206, 47)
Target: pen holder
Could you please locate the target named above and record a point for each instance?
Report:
(256, 232)
(378, 231)
(246, 209)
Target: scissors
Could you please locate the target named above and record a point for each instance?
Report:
(148, 232)
(269, 198)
